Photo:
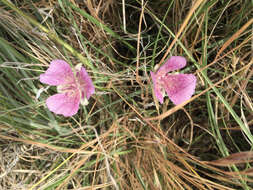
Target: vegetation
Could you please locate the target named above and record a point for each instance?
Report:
(124, 138)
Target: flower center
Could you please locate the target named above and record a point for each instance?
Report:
(70, 89)
(73, 86)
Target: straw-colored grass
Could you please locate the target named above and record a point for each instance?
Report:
(124, 139)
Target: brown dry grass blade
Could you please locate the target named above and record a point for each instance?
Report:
(194, 7)
(235, 36)
(236, 158)
(248, 172)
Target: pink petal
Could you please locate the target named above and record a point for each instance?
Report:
(157, 88)
(64, 104)
(173, 63)
(86, 84)
(59, 72)
(179, 87)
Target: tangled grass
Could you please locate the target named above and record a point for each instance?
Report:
(125, 139)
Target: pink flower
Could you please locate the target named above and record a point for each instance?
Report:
(179, 87)
(73, 88)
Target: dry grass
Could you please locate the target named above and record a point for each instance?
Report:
(124, 139)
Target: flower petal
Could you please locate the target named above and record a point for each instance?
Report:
(173, 63)
(59, 72)
(64, 104)
(157, 88)
(179, 87)
(87, 88)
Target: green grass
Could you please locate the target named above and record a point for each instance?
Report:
(125, 139)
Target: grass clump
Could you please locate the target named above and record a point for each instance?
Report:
(125, 139)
